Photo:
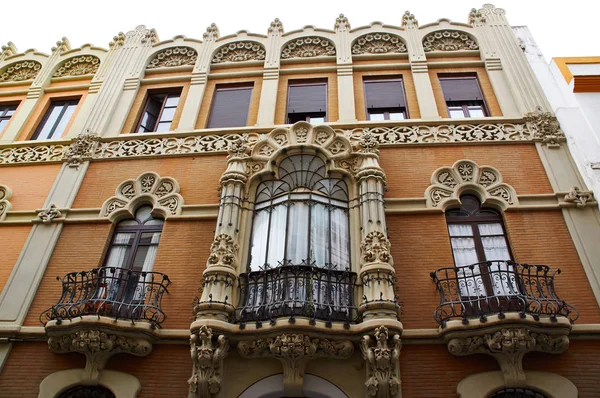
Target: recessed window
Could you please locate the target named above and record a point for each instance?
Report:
(159, 112)
(230, 106)
(463, 97)
(6, 112)
(385, 99)
(55, 120)
(307, 102)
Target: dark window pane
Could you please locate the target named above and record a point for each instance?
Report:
(384, 94)
(461, 89)
(230, 107)
(161, 106)
(310, 98)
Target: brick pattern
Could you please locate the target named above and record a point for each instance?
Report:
(30, 185)
(409, 169)
(16, 235)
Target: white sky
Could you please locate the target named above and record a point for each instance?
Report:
(565, 28)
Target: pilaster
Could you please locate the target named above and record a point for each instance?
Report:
(346, 107)
(268, 94)
(191, 108)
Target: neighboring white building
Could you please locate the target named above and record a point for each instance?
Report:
(572, 86)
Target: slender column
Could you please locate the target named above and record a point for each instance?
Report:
(418, 66)
(35, 93)
(193, 101)
(223, 263)
(268, 93)
(345, 78)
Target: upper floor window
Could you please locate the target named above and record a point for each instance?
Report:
(55, 120)
(307, 102)
(159, 112)
(385, 99)
(301, 218)
(463, 97)
(230, 106)
(6, 112)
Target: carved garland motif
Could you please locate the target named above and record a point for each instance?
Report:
(207, 357)
(376, 247)
(383, 369)
(78, 66)
(223, 251)
(308, 47)
(378, 43)
(449, 40)
(447, 181)
(20, 71)
(81, 148)
(5, 205)
(240, 51)
(163, 190)
(173, 56)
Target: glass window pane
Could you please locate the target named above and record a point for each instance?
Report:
(167, 114)
(495, 248)
(396, 116)
(319, 235)
(64, 120)
(490, 229)
(376, 116)
(119, 250)
(460, 230)
(172, 101)
(260, 231)
(476, 111)
(456, 112)
(50, 122)
(145, 255)
(11, 111)
(464, 251)
(297, 243)
(277, 235)
(318, 119)
(3, 123)
(340, 241)
(162, 127)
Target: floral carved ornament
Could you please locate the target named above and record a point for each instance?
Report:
(78, 66)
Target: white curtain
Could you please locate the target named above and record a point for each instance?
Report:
(116, 258)
(496, 250)
(340, 247)
(142, 287)
(319, 221)
(297, 249)
(260, 231)
(276, 235)
(463, 248)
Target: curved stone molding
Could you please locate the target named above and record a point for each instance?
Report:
(448, 183)
(78, 66)
(308, 47)
(121, 384)
(20, 71)
(383, 369)
(5, 205)
(173, 56)
(239, 51)
(378, 43)
(294, 351)
(545, 127)
(207, 357)
(449, 40)
(160, 192)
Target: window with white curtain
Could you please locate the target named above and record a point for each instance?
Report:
(477, 238)
(301, 218)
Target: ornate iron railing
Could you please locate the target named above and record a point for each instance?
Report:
(498, 287)
(297, 290)
(112, 292)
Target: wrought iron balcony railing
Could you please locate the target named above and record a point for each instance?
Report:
(498, 287)
(297, 290)
(112, 292)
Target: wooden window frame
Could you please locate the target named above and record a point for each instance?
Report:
(139, 230)
(308, 115)
(53, 104)
(464, 104)
(168, 92)
(4, 109)
(230, 87)
(386, 111)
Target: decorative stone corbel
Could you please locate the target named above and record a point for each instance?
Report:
(545, 127)
(509, 345)
(81, 148)
(49, 214)
(5, 205)
(294, 351)
(579, 197)
(207, 356)
(383, 367)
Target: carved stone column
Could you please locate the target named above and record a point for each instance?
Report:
(383, 367)
(294, 351)
(223, 263)
(268, 93)
(377, 273)
(347, 110)
(207, 356)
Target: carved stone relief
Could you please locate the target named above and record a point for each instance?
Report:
(545, 127)
(207, 356)
(447, 182)
(82, 148)
(5, 205)
(376, 247)
(49, 214)
(223, 251)
(294, 351)
(20, 71)
(579, 197)
(239, 51)
(78, 66)
(162, 191)
(173, 56)
(383, 368)
(308, 47)
(409, 20)
(378, 43)
(449, 40)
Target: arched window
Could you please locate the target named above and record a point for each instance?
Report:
(301, 218)
(480, 250)
(87, 392)
(517, 393)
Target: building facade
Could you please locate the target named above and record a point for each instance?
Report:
(381, 211)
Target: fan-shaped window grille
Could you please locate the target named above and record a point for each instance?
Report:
(87, 392)
(517, 393)
(301, 218)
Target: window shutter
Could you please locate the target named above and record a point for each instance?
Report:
(230, 107)
(307, 99)
(385, 94)
(461, 89)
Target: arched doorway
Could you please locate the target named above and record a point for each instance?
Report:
(272, 387)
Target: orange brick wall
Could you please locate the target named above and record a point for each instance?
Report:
(30, 185)
(409, 169)
(16, 235)
(198, 178)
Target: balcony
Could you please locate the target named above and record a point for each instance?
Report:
(497, 288)
(115, 293)
(297, 290)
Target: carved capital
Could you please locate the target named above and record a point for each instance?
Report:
(5, 205)
(294, 351)
(368, 144)
(409, 21)
(376, 247)
(546, 128)
(49, 214)
(476, 17)
(208, 354)
(383, 368)
(341, 24)
(579, 197)
(82, 147)
(239, 148)
(212, 32)
(276, 27)
(223, 251)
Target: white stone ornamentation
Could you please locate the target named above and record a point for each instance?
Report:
(308, 47)
(449, 40)
(49, 214)
(78, 66)
(545, 127)
(448, 183)
(579, 197)
(20, 71)
(5, 205)
(409, 20)
(223, 251)
(82, 148)
(239, 51)
(207, 357)
(376, 247)
(378, 43)
(383, 366)
(161, 192)
(173, 56)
